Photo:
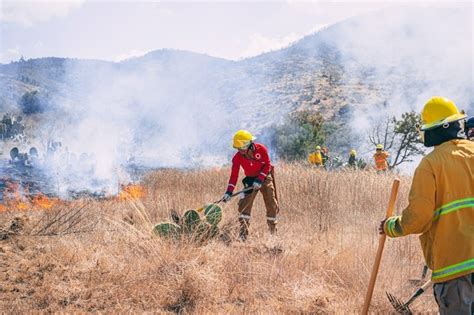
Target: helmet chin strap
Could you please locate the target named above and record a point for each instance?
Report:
(443, 133)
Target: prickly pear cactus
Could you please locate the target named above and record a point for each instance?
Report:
(213, 214)
(167, 230)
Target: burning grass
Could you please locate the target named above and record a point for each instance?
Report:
(132, 191)
(89, 256)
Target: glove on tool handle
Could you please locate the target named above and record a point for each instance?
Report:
(378, 256)
(220, 200)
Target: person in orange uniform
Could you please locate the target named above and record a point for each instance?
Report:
(441, 207)
(380, 158)
(255, 161)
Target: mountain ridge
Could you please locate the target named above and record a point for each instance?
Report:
(353, 72)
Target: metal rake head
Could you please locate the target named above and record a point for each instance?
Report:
(398, 305)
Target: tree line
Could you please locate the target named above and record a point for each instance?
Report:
(303, 130)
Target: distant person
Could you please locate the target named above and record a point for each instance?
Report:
(315, 158)
(470, 128)
(255, 161)
(380, 158)
(352, 158)
(441, 207)
(325, 155)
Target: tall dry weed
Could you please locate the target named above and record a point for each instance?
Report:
(319, 263)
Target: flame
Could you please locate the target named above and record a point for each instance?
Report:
(22, 205)
(14, 197)
(43, 202)
(131, 192)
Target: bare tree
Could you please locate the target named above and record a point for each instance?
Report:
(383, 133)
(400, 137)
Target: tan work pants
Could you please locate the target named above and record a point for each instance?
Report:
(271, 204)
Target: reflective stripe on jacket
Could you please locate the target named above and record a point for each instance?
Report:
(315, 158)
(441, 207)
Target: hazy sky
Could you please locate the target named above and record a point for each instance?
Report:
(116, 30)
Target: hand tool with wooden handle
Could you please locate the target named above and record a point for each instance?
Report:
(378, 256)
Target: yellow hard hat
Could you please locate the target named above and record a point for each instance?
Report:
(242, 139)
(379, 147)
(318, 147)
(438, 111)
(353, 152)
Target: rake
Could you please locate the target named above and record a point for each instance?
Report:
(222, 199)
(404, 308)
(177, 218)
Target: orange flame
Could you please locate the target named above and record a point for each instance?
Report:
(43, 202)
(132, 192)
(14, 199)
(22, 205)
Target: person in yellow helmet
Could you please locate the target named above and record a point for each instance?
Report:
(352, 158)
(316, 158)
(325, 155)
(255, 161)
(380, 158)
(441, 206)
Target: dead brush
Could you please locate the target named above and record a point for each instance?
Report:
(67, 219)
(103, 257)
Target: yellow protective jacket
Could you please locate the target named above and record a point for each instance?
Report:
(381, 160)
(315, 158)
(441, 207)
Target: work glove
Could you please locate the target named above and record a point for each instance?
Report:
(257, 185)
(227, 196)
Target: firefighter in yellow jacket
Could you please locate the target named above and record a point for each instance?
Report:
(380, 158)
(441, 206)
(316, 157)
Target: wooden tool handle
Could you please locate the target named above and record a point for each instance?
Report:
(378, 257)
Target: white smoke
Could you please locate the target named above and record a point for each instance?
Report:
(158, 112)
(178, 109)
(405, 55)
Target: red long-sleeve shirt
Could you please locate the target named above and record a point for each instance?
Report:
(259, 166)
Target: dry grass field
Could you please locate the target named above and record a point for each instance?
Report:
(100, 256)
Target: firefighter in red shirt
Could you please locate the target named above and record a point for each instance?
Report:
(254, 160)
